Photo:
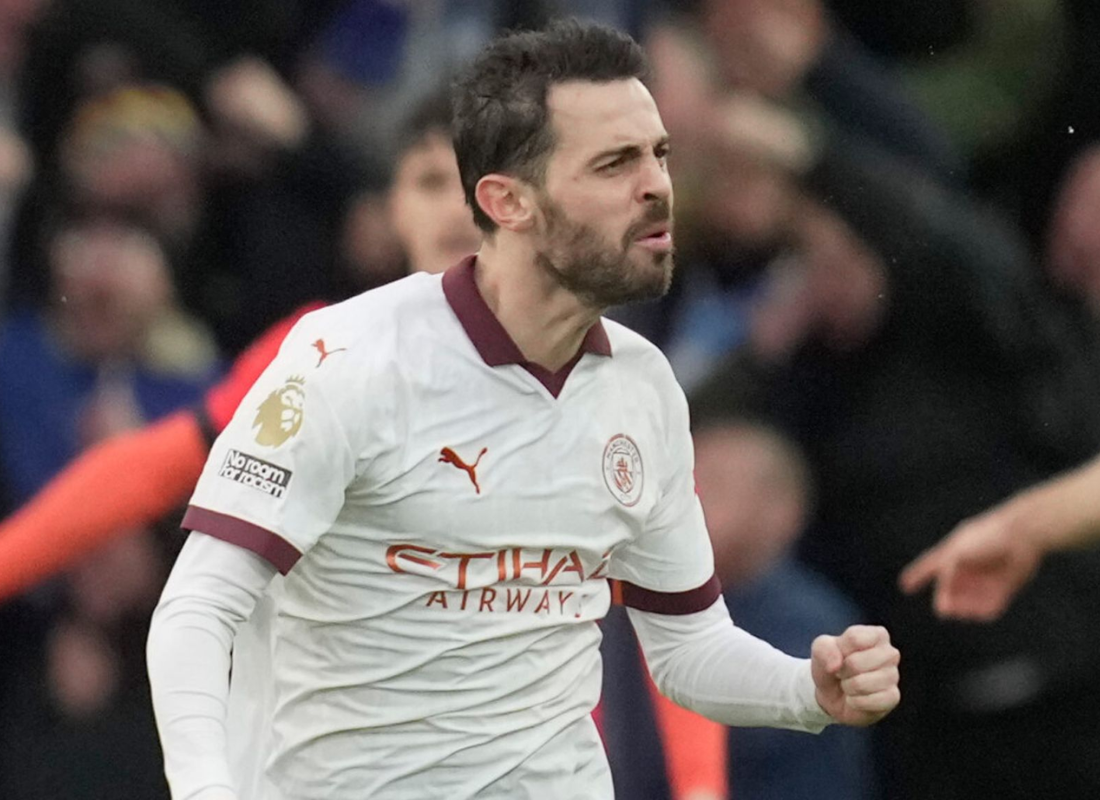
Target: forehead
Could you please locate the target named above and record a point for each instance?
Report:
(591, 117)
(431, 150)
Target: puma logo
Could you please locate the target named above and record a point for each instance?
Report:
(320, 345)
(449, 456)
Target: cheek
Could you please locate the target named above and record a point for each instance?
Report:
(410, 222)
(608, 206)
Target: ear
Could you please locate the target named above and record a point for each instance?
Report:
(506, 201)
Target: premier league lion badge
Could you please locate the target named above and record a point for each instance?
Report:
(279, 417)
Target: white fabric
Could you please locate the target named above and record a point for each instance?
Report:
(212, 589)
(700, 660)
(704, 662)
(434, 639)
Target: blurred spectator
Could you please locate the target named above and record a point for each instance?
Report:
(110, 351)
(792, 50)
(134, 151)
(82, 48)
(251, 223)
(271, 184)
(137, 151)
(756, 493)
(734, 208)
(1015, 79)
(914, 352)
(77, 719)
(1073, 239)
(57, 527)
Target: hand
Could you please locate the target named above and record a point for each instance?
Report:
(760, 130)
(856, 675)
(977, 570)
(249, 96)
(766, 45)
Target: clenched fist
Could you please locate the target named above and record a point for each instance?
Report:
(856, 674)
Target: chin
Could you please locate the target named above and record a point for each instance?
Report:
(660, 268)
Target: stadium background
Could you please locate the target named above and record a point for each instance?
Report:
(241, 151)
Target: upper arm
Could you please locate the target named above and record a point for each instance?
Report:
(669, 567)
(216, 578)
(276, 476)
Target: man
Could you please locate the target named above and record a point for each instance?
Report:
(448, 491)
(86, 506)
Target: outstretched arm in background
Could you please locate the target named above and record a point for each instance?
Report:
(116, 487)
(125, 482)
(983, 563)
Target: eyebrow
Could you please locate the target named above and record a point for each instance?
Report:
(629, 151)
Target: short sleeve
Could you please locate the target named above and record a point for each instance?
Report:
(669, 567)
(222, 400)
(275, 478)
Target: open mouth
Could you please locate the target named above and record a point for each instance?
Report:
(656, 238)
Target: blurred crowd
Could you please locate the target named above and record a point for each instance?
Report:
(885, 315)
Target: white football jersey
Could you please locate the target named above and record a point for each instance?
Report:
(447, 516)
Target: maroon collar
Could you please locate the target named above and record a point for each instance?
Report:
(493, 343)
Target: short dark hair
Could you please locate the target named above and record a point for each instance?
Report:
(430, 115)
(501, 123)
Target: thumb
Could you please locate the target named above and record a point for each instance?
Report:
(826, 654)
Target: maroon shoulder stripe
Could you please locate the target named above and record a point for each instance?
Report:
(280, 553)
(671, 603)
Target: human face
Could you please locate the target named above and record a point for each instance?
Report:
(428, 208)
(606, 199)
(110, 282)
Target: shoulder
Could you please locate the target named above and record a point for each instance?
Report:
(385, 309)
(646, 372)
(372, 327)
(350, 353)
(635, 353)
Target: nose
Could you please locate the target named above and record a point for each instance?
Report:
(654, 182)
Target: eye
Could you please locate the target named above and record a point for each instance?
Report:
(661, 151)
(431, 181)
(613, 165)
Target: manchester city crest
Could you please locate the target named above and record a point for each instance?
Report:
(622, 469)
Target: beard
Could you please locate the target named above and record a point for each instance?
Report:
(600, 274)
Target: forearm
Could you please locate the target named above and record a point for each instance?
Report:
(1060, 514)
(212, 589)
(126, 482)
(705, 663)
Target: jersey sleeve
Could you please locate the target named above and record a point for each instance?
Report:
(222, 399)
(275, 478)
(669, 567)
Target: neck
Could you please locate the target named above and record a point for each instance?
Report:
(547, 322)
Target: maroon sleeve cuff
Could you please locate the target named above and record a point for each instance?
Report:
(280, 553)
(671, 603)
